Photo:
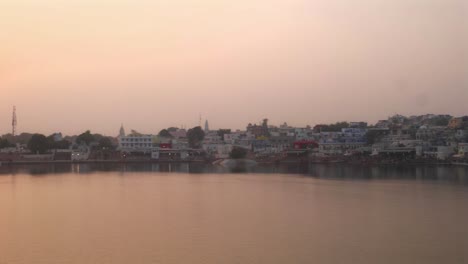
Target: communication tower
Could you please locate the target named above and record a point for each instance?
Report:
(14, 122)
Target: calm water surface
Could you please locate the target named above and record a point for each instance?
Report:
(197, 214)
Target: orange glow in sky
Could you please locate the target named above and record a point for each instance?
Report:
(72, 65)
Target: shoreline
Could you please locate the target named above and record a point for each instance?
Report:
(32, 162)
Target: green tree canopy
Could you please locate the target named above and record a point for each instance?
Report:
(238, 153)
(5, 143)
(22, 138)
(195, 137)
(334, 127)
(86, 138)
(38, 144)
(62, 144)
(439, 121)
(374, 136)
(105, 143)
(165, 133)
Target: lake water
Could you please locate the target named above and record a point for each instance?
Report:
(166, 213)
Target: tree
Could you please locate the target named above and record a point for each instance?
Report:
(374, 136)
(85, 138)
(105, 143)
(4, 143)
(97, 137)
(334, 127)
(238, 153)
(52, 144)
(62, 144)
(440, 120)
(195, 137)
(22, 138)
(165, 133)
(38, 144)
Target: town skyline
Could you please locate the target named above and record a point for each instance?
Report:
(200, 121)
(412, 138)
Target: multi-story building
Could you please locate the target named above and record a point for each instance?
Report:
(303, 133)
(340, 148)
(259, 130)
(347, 141)
(219, 151)
(282, 142)
(239, 138)
(429, 133)
(354, 134)
(439, 152)
(135, 141)
(458, 122)
(212, 137)
(455, 123)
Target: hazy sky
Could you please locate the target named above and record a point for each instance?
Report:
(71, 65)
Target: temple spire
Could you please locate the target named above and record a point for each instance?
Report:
(122, 131)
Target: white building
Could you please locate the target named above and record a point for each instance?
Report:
(212, 137)
(180, 144)
(220, 151)
(303, 133)
(135, 141)
(340, 148)
(239, 138)
(440, 152)
(232, 137)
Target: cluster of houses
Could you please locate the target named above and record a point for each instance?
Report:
(398, 138)
(428, 137)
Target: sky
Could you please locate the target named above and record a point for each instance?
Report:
(73, 65)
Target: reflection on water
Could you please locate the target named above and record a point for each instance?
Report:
(193, 213)
(454, 174)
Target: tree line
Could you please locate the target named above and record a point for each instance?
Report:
(39, 143)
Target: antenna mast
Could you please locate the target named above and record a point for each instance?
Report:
(14, 122)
